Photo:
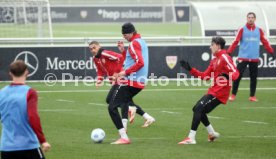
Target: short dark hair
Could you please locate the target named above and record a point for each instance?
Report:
(94, 42)
(128, 28)
(219, 41)
(250, 14)
(18, 67)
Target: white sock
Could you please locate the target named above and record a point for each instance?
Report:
(210, 129)
(123, 134)
(192, 134)
(147, 116)
(124, 121)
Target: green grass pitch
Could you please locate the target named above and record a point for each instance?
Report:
(97, 30)
(69, 113)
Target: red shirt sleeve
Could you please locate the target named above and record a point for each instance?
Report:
(117, 58)
(229, 66)
(206, 75)
(265, 42)
(135, 51)
(100, 72)
(33, 115)
(235, 42)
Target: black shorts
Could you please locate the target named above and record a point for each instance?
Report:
(123, 95)
(111, 92)
(23, 154)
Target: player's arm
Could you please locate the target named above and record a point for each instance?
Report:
(135, 51)
(206, 75)
(112, 55)
(122, 49)
(232, 70)
(234, 44)
(100, 73)
(265, 42)
(34, 119)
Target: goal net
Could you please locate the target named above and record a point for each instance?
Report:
(25, 19)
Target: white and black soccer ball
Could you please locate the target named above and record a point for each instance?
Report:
(97, 135)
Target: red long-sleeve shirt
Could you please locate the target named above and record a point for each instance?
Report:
(222, 63)
(108, 63)
(239, 37)
(33, 115)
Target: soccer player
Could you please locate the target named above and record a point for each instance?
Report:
(249, 37)
(21, 128)
(135, 72)
(109, 63)
(222, 70)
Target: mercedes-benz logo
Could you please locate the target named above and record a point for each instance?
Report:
(7, 14)
(30, 59)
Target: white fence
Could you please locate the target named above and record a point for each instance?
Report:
(112, 41)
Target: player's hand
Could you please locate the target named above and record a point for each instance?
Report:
(224, 75)
(121, 46)
(45, 147)
(185, 65)
(114, 78)
(122, 73)
(98, 84)
(115, 75)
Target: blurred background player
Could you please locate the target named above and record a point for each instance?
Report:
(223, 71)
(21, 128)
(249, 37)
(108, 63)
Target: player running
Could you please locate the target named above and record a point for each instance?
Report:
(222, 70)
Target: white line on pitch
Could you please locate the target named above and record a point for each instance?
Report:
(63, 100)
(56, 110)
(254, 122)
(258, 108)
(72, 91)
(146, 90)
(169, 112)
(249, 136)
(165, 108)
(156, 138)
(215, 117)
(99, 104)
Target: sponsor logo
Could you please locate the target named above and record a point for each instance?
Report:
(7, 14)
(59, 64)
(252, 39)
(180, 13)
(83, 14)
(265, 61)
(171, 61)
(30, 59)
(130, 14)
(205, 56)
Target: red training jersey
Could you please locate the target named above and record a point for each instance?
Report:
(108, 63)
(220, 64)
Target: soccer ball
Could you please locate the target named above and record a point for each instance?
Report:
(97, 135)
